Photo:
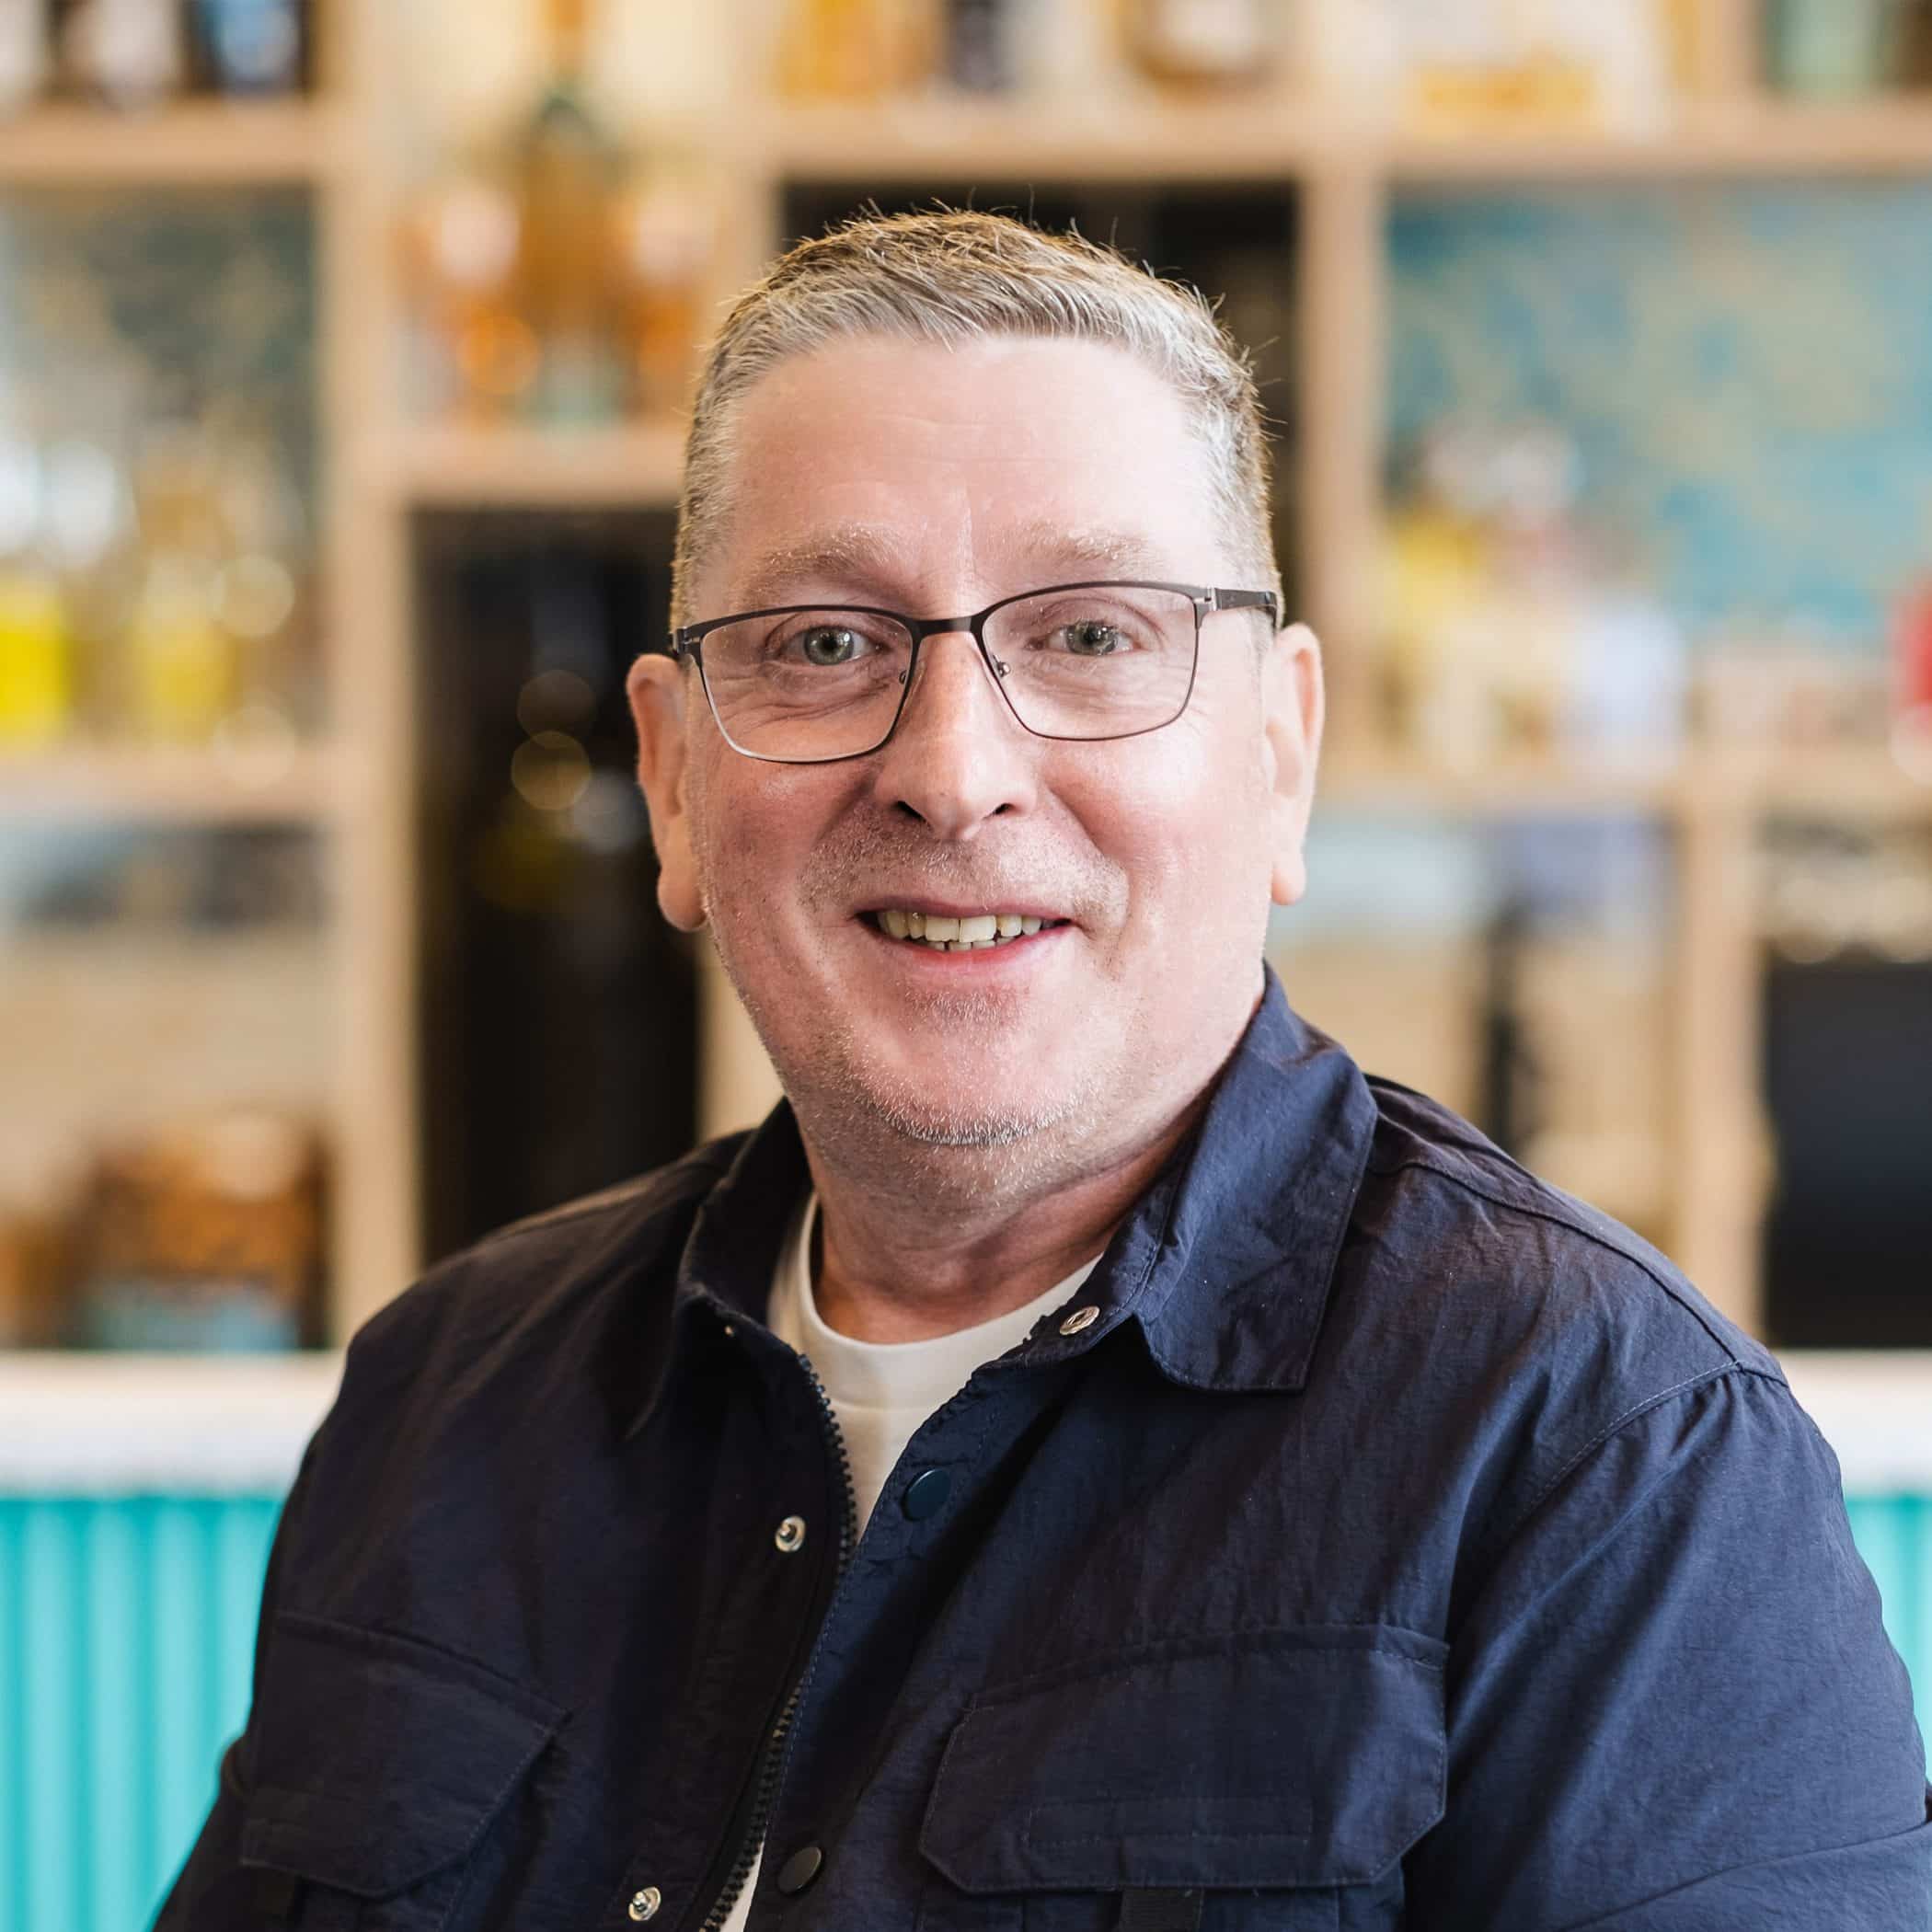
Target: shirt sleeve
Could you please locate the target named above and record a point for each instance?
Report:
(1672, 1704)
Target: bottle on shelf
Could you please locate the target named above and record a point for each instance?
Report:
(1207, 44)
(979, 53)
(558, 276)
(26, 53)
(131, 55)
(567, 172)
(1832, 49)
(36, 640)
(666, 232)
(860, 49)
(180, 665)
(251, 47)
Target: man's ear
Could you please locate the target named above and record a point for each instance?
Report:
(657, 706)
(1293, 711)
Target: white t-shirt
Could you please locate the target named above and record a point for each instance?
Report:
(881, 1391)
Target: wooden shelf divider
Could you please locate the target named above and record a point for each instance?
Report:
(194, 144)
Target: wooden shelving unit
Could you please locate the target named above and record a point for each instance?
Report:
(196, 143)
(279, 785)
(384, 467)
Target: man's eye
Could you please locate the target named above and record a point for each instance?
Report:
(828, 644)
(1092, 637)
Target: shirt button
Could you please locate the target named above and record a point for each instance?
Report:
(927, 1493)
(790, 1535)
(1080, 1318)
(799, 1869)
(644, 1904)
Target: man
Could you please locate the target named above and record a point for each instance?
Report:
(1224, 1491)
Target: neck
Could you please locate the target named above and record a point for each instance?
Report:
(967, 1235)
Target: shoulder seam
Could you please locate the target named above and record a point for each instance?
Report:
(1581, 1455)
(1583, 1233)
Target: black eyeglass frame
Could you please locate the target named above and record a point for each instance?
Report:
(687, 644)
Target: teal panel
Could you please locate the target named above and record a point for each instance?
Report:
(1894, 1536)
(126, 1641)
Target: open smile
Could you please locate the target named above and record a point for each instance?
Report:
(948, 932)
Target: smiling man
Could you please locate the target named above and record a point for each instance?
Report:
(1092, 1458)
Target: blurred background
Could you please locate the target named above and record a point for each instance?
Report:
(343, 350)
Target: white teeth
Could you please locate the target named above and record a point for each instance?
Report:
(976, 932)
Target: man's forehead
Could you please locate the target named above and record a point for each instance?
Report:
(877, 555)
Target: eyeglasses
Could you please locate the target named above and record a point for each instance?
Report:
(811, 683)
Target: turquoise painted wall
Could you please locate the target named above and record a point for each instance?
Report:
(126, 1636)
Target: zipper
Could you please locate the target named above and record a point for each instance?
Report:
(773, 1759)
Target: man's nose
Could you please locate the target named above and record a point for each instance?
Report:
(959, 756)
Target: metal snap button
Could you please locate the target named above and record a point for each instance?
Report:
(799, 1869)
(1080, 1318)
(925, 1494)
(791, 1534)
(644, 1904)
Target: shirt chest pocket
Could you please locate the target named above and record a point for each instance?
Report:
(381, 1770)
(1280, 1775)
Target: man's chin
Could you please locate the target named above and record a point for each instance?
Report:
(930, 1122)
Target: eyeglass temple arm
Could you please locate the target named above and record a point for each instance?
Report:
(1251, 600)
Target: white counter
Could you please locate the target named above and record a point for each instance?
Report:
(100, 1424)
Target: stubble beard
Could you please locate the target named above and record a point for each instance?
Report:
(927, 1146)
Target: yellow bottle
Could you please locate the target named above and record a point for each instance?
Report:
(36, 658)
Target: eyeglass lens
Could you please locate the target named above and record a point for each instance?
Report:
(1098, 662)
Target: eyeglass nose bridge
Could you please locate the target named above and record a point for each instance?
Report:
(974, 626)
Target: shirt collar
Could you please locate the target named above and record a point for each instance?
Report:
(1224, 1264)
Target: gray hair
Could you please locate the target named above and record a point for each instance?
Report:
(949, 277)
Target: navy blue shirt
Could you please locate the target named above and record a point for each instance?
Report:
(1399, 1544)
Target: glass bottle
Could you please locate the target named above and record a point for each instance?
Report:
(36, 652)
(1202, 43)
(837, 51)
(665, 229)
(252, 47)
(180, 665)
(24, 54)
(130, 53)
(568, 173)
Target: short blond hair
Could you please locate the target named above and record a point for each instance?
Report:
(953, 276)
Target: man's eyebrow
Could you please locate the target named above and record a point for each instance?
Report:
(862, 555)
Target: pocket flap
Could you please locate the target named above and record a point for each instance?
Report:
(1305, 1757)
(378, 1759)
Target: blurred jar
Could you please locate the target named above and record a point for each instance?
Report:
(26, 53)
(205, 1236)
(1204, 43)
(130, 53)
(251, 47)
(857, 50)
(1831, 48)
(37, 671)
(666, 229)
